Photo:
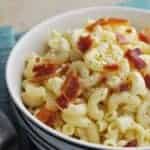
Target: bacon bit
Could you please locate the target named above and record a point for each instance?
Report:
(84, 43)
(62, 101)
(91, 26)
(111, 67)
(121, 38)
(139, 63)
(47, 116)
(39, 80)
(103, 80)
(132, 143)
(42, 72)
(70, 90)
(107, 21)
(44, 69)
(124, 87)
(114, 21)
(144, 35)
(53, 118)
(133, 57)
(137, 51)
(71, 86)
(147, 80)
(43, 114)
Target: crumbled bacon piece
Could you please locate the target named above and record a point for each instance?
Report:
(124, 87)
(70, 90)
(91, 26)
(139, 63)
(43, 114)
(147, 80)
(107, 21)
(132, 143)
(111, 67)
(44, 69)
(47, 116)
(71, 87)
(121, 38)
(136, 51)
(113, 21)
(84, 43)
(133, 57)
(145, 35)
(39, 80)
(103, 80)
(62, 101)
(53, 118)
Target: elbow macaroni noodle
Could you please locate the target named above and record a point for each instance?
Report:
(124, 98)
(112, 106)
(96, 97)
(138, 83)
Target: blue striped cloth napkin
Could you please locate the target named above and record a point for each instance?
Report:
(8, 38)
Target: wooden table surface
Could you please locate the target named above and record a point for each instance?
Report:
(22, 14)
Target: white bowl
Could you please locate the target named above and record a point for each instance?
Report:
(33, 136)
(35, 40)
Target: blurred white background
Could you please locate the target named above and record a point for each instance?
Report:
(22, 14)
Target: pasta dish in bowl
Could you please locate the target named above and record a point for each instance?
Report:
(93, 83)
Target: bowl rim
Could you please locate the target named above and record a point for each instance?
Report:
(34, 120)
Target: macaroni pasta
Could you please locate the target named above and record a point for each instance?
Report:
(93, 83)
